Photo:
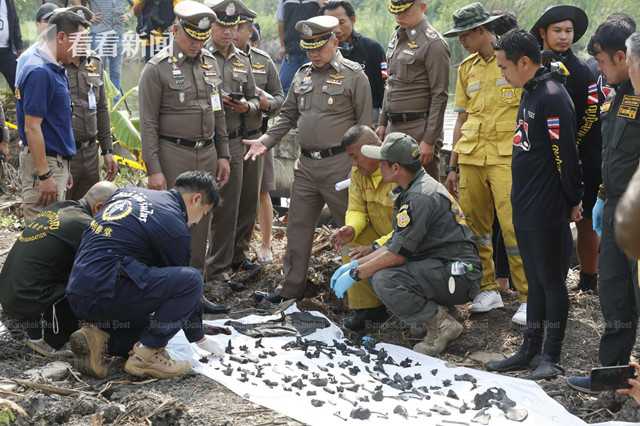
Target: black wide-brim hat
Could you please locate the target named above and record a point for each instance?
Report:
(555, 14)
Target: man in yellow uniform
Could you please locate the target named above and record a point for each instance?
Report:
(368, 223)
(487, 108)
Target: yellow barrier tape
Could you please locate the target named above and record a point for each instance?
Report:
(11, 125)
(130, 163)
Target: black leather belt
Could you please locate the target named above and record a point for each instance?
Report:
(85, 143)
(197, 144)
(405, 117)
(325, 153)
(238, 133)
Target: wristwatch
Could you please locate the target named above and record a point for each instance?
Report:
(353, 273)
(106, 151)
(453, 169)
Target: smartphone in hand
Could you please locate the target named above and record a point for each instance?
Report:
(612, 378)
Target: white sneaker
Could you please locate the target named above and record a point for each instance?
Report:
(486, 301)
(520, 317)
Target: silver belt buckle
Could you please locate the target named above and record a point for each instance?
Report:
(316, 155)
(199, 144)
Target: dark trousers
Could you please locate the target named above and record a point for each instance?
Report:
(152, 312)
(500, 258)
(618, 277)
(55, 324)
(8, 64)
(546, 254)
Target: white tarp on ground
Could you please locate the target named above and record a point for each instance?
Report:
(295, 403)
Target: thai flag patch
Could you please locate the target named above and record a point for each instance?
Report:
(553, 125)
(592, 97)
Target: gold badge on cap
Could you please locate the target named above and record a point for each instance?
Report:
(306, 30)
(231, 9)
(204, 23)
(415, 152)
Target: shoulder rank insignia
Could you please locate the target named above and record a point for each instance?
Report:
(629, 107)
(336, 76)
(91, 67)
(205, 66)
(238, 64)
(258, 66)
(412, 45)
(403, 219)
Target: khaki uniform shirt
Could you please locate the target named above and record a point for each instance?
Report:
(492, 105)
(324, 103)
(236, 78)
(90, 112)
(418, 80)
(266, 76)
(180, 98)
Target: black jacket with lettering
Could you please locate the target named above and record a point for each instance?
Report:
(583, 88)
(547, 181)
(37, 268)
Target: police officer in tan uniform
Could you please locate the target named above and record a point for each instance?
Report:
(328, 96)
(240, 99)
(90, 120)
(416, 94)
(181, 112)
(271, 98)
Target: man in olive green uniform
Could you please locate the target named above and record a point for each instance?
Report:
(416, 95)
(240, 100)
(90, 121)
(328, 96)
(271, 98)
(183, 124)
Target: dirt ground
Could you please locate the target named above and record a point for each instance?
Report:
(197, 400)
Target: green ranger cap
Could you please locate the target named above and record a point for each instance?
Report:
(471, 16)
(397, 148)
(398, 6)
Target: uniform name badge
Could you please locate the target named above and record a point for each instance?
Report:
(216, 105)
(92, 99)
(629, 107)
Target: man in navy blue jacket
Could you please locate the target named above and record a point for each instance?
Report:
(132, 281)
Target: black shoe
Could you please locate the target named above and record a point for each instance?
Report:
(521, 360)
(588, 283)
(274, 298)
(546, 369)
(358, 318)
(581, 384)
(208, 307)
(247, 266)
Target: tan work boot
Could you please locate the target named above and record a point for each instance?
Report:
(441, 330)
(154, 362)
(89, 345)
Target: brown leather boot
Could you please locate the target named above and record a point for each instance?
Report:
(89, 345)
(154, 362)
(442, 329)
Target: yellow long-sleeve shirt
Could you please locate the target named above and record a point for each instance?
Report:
(370, 204)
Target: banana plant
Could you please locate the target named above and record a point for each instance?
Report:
(125, 128)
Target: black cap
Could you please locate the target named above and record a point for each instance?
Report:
(45, 11)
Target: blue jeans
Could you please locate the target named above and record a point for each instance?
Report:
(112, 60)
(289, 67)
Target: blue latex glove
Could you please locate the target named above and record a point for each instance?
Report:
(596, 216)
(343, 284)
(341, 270)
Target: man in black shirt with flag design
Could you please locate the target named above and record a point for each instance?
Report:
(546, 193)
